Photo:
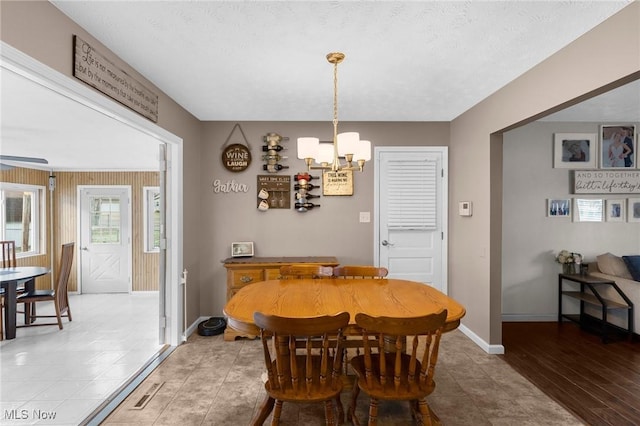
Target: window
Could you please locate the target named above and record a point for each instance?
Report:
(22, 214)
(151, 218)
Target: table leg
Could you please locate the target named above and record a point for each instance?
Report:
(30, 317)
(10, 309)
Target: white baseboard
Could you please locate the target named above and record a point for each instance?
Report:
(193, 327)
(529, 318)
(490, 349)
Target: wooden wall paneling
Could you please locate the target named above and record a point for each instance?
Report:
(65, 221)
(144, 265)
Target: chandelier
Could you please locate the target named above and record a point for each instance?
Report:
(347, 145)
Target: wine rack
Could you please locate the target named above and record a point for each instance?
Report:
(272, 152)
(303, 197)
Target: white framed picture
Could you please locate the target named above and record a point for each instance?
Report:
(633, 210)
(575, 150)
(617, 146)
(588, 210)
(559, 207)
(242, 249)
(616, 210)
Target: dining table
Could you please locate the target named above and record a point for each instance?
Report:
(302, 298)
(9, 280)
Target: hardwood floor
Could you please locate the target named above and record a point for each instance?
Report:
(599, 383)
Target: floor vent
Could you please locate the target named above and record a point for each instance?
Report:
(144, 399)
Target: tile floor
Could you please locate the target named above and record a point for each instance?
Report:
(59, 377)
(207, 381)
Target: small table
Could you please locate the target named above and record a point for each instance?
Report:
(9, 279)
(594, 298)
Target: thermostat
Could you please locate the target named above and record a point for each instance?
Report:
(465, 208)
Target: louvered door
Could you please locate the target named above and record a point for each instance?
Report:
(412, 219)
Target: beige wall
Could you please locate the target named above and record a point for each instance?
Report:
(41, 31)
(331, 230)
(475, 245)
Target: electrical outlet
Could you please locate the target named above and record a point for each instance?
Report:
(365, 217)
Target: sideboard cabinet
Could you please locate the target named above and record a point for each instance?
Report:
(242, 271)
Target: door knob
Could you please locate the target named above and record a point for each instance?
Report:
(386, 243)
(84, 248)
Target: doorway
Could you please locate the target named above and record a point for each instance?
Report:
(411, 213)
(105, 239)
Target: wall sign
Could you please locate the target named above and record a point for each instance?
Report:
(97, 71)
(337, 183)
(237, 156)
(606, 182)
(274, 192)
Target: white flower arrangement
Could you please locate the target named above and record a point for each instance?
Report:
(566, 257)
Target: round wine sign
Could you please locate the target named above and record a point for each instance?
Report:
(236, 158)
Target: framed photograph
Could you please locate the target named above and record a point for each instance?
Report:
(588, 210)
(616, 210)
(242, 249)
(633, 210)
(575, 150)
(559, 207)
(618, 146)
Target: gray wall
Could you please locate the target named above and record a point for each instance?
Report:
(530, 239)
(331, 230)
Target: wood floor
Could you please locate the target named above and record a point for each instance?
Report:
(600, 383)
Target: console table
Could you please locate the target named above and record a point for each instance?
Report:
(594, 298)
(242, 271)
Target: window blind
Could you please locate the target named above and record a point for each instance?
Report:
(412, 194)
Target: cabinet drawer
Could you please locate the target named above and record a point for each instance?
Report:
(272, 274)
(243, 277)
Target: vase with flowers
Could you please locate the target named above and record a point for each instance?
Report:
(570, 261)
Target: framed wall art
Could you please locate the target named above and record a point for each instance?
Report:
(559, 207)
(633, 210)
(588, 210)
(618, 146)
(616, 210)
(575, 150)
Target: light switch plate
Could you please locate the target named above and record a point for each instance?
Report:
(365, 217)
(465, 208)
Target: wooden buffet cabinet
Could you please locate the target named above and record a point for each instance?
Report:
(242, 271)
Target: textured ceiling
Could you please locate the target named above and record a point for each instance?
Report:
(265, 60)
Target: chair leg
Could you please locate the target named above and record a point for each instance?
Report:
(277, 411)
(340, 410)
(351, 411)
(425, 412)
(329, 416)
(373, 412)
(265, 410)
(58, 316)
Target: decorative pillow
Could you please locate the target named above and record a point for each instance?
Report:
(633, 264)
(611, 264)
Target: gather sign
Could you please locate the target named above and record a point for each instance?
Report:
(606, 182)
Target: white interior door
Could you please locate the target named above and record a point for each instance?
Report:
(411, 213)
(105, 239)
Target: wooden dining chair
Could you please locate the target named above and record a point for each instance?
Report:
(8, 252)
(360, 271)
(305, 270)
(304, 363)
(386, 371)
(59, 295)
(8, 258)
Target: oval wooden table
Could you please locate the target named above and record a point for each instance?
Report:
(314, 297)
